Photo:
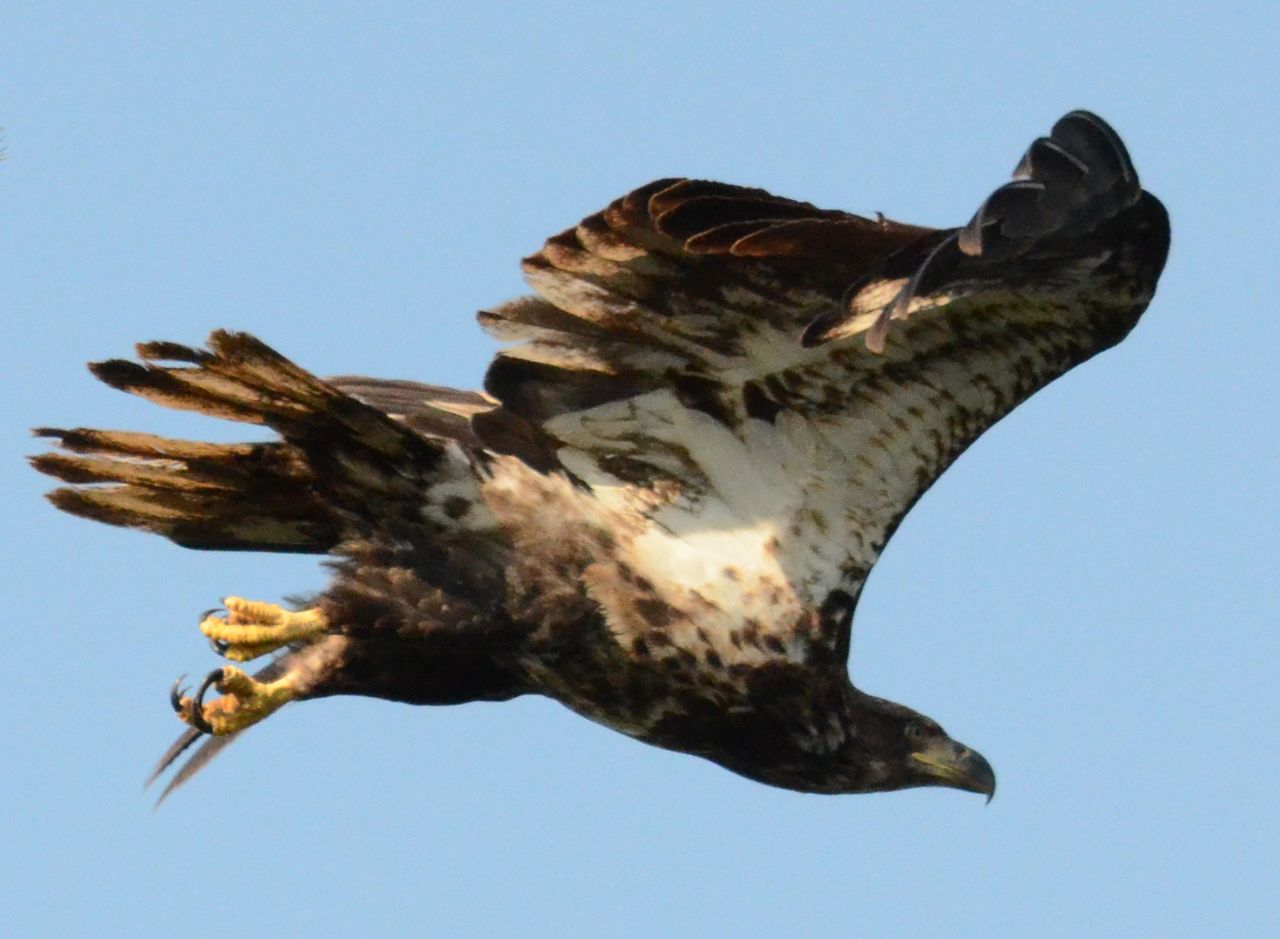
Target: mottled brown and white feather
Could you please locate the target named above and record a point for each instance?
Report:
(717, 362)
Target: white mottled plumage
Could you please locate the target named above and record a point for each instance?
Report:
(663, 508)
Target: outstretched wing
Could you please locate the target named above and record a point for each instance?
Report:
(805, 375)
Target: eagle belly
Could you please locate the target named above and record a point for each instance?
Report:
(724, 565)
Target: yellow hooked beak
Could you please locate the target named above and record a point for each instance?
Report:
(955, 765)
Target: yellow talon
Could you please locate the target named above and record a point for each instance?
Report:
(251, 628)
(244, 701)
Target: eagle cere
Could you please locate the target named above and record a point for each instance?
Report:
(661, 510)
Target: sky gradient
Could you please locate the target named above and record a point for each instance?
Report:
(1088, 596)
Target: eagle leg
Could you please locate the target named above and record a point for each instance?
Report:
(244, 701)
(251, 629)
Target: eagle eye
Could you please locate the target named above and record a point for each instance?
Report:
(919, 731)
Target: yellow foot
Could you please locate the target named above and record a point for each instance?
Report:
(251, 629)
(244, 701)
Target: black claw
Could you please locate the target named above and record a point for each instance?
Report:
(176, 694)
(197, 704)
(219, 646)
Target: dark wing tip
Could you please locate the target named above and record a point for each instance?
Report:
(1095, 142)
(1065, 185)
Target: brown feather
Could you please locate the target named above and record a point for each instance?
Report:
(664, 506)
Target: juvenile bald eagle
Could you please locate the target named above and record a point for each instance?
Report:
(711, 416)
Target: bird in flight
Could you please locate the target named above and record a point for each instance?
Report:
(708, 419)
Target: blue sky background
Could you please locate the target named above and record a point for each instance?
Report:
(1089, 596)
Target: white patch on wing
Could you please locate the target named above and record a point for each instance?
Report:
(746, 548)
(750, 524)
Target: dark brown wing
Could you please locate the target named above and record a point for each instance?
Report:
(737, 344)
(670, 283)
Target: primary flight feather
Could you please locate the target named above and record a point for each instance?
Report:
(709, 419)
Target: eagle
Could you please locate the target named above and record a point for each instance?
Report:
(708, 419)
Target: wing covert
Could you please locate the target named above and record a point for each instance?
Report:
(737, 346)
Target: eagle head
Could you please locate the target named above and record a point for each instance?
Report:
(893, 747)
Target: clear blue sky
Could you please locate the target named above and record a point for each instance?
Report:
(1089, 596)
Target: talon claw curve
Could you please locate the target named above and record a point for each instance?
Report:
(198, 720)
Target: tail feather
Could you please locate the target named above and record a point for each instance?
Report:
(339, 458)
(197, 391)
(341, 470)
(199, 495)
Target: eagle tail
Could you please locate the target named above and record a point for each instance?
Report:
(338, 456)
(247, 496)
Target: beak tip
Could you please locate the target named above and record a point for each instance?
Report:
(986, 778)
(978, 774)
(948, 763)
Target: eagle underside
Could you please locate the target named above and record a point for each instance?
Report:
(662, 510)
